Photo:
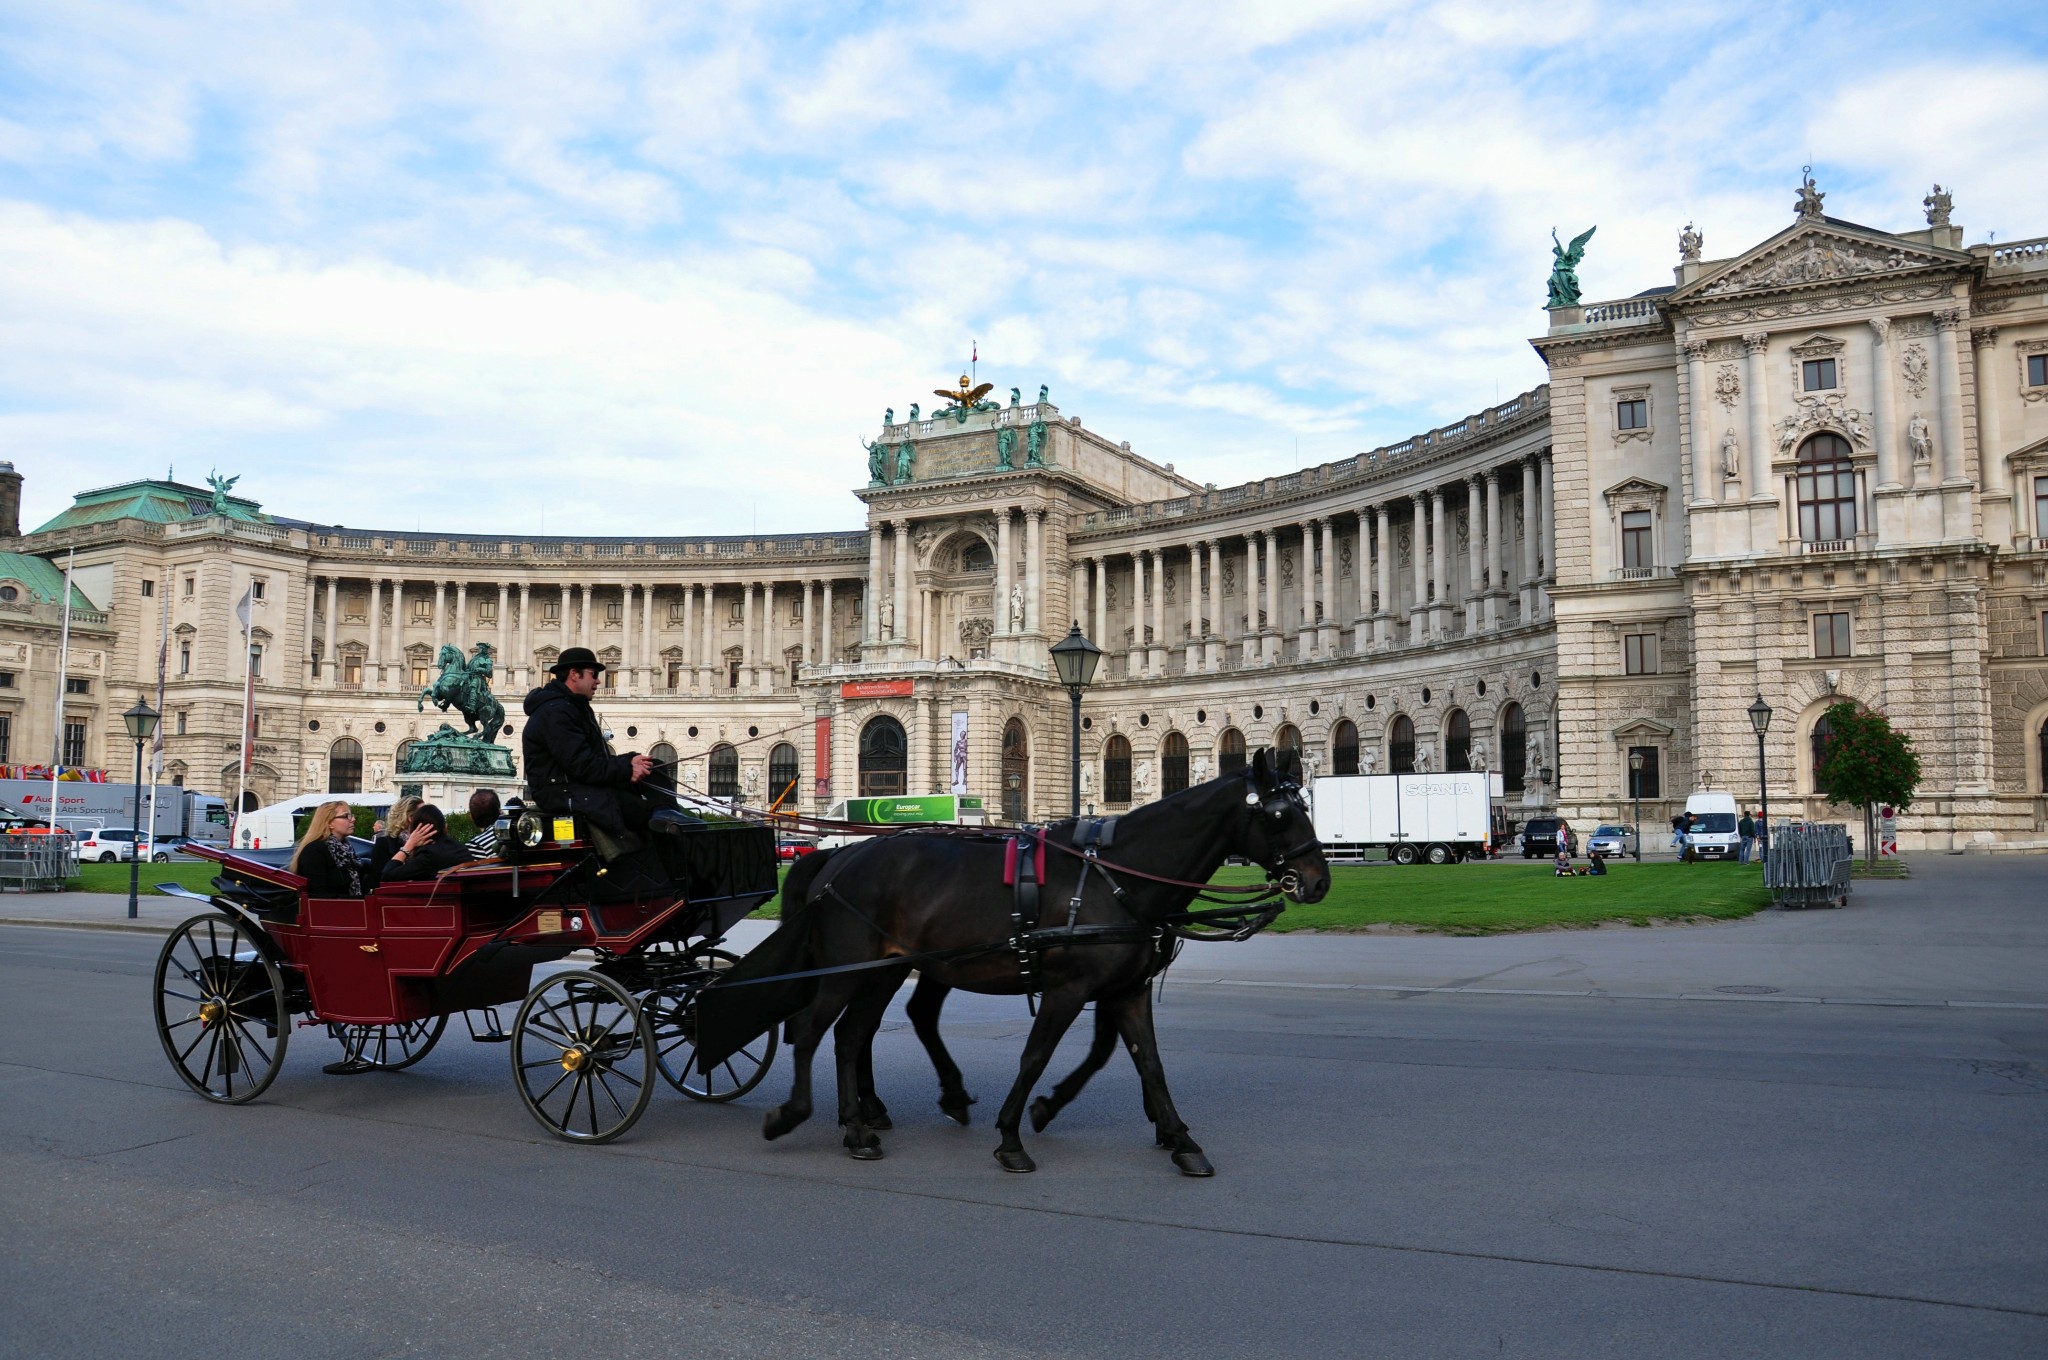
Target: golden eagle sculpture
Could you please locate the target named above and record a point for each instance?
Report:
(968, 395)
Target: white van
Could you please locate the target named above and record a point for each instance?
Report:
(1713, 825)
(267, 828)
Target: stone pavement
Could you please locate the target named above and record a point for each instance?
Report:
(1963, 931)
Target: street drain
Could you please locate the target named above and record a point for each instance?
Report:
(1747, 989)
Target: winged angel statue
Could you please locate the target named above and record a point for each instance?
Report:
(1564, 268)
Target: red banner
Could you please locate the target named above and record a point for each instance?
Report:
(875, 689)
(821, 759)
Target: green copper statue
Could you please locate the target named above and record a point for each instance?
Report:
(1034, 445)
(221, 486)
(906, 460)
(1015, 397)
(1006, 448)
(465, 686)
(1564, 269)
(878, 462)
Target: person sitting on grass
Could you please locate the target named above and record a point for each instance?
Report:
(1596, 865)
(1562, 866)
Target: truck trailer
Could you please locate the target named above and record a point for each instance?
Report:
(84, 806)
(1412, 818)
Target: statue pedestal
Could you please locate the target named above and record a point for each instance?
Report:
(447, 767)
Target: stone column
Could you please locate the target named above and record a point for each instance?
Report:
(1213, 635)
(1326, 629)
(747, 636)
(825, 624)
(713, 664)
(1990, 442)
(1440, 566)
(904, 561)
(810, 618)
(327, 656)
(1034, 572)
(1250, 648)
(1418, 604)
(1077, 595)
(1003, 569)
(871, 624)
(586, 597)
(1756, 387)
(1706, 477)
(462, 617)
(1884, 416)
(1546, 507)
(1383, 617)
(1528, 540)
(1361, 629)
(374, 677)
(1949, 392)
(440, 619)
(650, 661)
(1305, 583)
(1100, 633)
(504, 622)
(688, 679)
(562, 633)
(1273, 634)
(1137, 655)
(525, 658)
(1156, 659)
(1496, 587)
(1475, 553)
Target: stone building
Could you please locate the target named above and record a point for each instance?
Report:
(1815, 469)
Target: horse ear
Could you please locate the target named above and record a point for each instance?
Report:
(1262, 766)
(1290, 766)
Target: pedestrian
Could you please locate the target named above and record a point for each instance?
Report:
(1678, 831)
(1747, 829)
(483, 814)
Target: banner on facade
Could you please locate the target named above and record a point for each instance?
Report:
(821, 758)
(875, 689)
(959, 753)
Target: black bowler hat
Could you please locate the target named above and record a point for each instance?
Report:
(576, 659)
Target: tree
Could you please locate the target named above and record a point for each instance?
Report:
(1867, 761)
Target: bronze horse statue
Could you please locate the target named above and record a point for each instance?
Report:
(465, 686)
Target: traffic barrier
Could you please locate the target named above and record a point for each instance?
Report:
(37, 863)
(1808, 864)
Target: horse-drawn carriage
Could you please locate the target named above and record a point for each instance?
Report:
(383, 973)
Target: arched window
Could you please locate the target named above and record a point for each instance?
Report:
(664, 773)
(1401, 746)
(1344, 747)
(782, 773)
(1457, 741)
(1826, 482)
(1822, 730)
(1514, 748)
(345, 766)
(404, 748)
(1173, 763)
(2042, 741)
(884, 758)
(1016, 771)
(1229, 751)
(977, 556)
(725, 772)
(1116, 770)
(1288, 738)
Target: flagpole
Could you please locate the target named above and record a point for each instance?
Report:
(163, 662)
(63, 669)
(247, 610)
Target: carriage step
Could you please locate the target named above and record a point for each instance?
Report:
(493, 1031)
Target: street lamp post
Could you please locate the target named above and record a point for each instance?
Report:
(1635, 795)
(141, 724)
(1074, 659)
(1760, 719)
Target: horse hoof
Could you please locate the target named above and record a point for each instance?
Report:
(1018, 1160)
(955, 1109)
(865, 1154)
(778, 1123)
(1193, 1164)
(881, 1121)
(1042, 1111)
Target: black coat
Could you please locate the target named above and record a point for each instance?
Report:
(569, 768)
(325, 876)
(430, 859)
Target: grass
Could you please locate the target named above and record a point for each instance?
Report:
(1884, 868)
(1487, 899)
(113, 878)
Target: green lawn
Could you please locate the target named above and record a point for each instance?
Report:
(1483, 899)
(113, 878)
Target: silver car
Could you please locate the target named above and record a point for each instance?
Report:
(1612, 842)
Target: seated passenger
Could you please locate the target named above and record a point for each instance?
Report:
(427, 849)
(325, 859)
(390, 835)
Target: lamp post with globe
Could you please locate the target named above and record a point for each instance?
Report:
(1635, 796)
(1074, 659)
(141, 724)
(1760, 719)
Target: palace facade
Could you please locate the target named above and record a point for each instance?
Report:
(1811, 471)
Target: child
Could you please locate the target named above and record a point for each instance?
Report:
(1563, 864)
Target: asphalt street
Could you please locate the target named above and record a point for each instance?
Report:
(1403, 1171)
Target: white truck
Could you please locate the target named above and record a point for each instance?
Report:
(83, 806)
(1426, 818)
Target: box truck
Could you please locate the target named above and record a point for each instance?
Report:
(915, 810)
(1427, 818)
(82, 806)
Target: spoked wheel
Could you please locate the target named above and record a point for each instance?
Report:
(389, 1048)
(583, 1057)
(220, 1009)
(672, 1014)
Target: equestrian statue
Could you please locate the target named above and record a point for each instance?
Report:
(465, 686)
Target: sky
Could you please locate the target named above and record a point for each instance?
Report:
(606, 267)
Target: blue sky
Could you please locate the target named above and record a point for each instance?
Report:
(629, 268)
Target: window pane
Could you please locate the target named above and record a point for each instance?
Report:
(2037, 370)
(1646, 782)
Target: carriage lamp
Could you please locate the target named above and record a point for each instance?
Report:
(1074, 659)
(141, 724)
(1760, 719)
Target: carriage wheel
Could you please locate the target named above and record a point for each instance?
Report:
(389, 1048)
(582, 1057)
(672, 1012)
(220, 1009)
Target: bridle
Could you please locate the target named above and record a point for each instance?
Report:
(1285, 796)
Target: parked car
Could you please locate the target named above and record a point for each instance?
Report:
(170, 847)
(1546, 836)
(1613, 842)
(108, 844)
(794, 847)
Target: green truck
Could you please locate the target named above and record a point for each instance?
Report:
(916, 809)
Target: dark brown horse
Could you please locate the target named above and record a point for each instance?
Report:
(937, 902)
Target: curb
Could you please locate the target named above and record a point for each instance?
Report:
(137, 927)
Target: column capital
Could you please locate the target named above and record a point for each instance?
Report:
(1755, 342)
(1695, 350)
(1984, 337)
(1948, 318)
(1880, 329)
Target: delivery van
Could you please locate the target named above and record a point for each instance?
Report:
(1713, 825)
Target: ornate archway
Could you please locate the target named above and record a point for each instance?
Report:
(1016, 772)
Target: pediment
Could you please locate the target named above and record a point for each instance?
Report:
(1635, 488)
(1641, 726)
(2031, 456)
(1812, 254)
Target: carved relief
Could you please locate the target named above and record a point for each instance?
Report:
(1809, 306)
(1913, 369)
(1813, 259)
(1825, 412)
(1727, 385)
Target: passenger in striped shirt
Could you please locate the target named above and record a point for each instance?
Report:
(483, 810)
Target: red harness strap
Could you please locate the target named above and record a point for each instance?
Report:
(1010, 857)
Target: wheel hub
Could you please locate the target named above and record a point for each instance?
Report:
(574, 1059)
(210, 1012)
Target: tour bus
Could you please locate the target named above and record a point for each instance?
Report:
(917, 809)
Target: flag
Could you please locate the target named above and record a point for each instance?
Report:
(245, 608)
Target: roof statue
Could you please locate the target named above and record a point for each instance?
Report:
(1016, 397)
(1041, 394)
(969, 399)
(1564, 268)
(913, 413)
(878, 462)
(1690, 243)
(889, 417)
(1938, 204)
(1809, 197)
(221, 486)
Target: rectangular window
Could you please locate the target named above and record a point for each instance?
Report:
(74, 684)
(1818, 375)
(675, 675)
(351, 670)
(6, 737)
(74, 742)
(1636, 551)
(1639, 654)
(148, 590)
(551, 610)
(420, 677)
(182, 716)
(614, 611)
(733, 614)
(184, 658)
(191, 585)
(2037, 370)
(1633, 414)
(675, 611)
(6, 679)
(611, 678)
(422, 609)
(1648, 782)
(256, 662)
(732, 675)
(256, 589)
(796, 610)
(487, 610)
(2041, 508)
(1830, 635)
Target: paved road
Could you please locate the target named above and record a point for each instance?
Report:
(1402, 1172)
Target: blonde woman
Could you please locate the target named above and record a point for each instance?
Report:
(324, 857)
(397, 823)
